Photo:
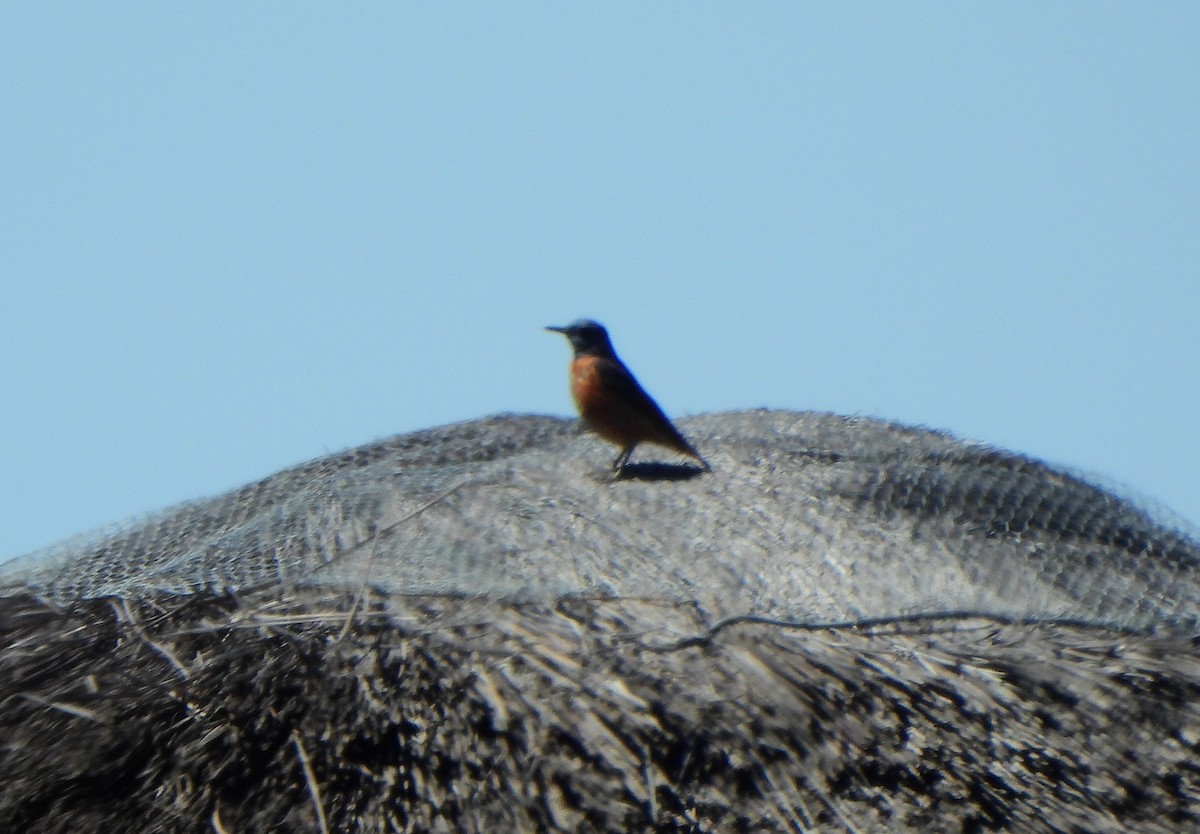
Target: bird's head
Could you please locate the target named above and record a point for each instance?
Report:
(588, 338)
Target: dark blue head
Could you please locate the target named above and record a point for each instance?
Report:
(588, 338)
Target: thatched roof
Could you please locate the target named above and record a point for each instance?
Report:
(475, 629)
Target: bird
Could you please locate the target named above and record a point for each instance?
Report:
(611, 402)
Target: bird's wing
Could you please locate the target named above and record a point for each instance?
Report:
(639, 408)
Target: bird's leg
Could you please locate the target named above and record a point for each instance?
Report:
(623, 458)
(620, 459)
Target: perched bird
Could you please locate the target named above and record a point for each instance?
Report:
(610, 400)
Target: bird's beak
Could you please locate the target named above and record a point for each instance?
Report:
(557, 329)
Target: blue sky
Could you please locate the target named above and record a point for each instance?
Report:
(238, 236)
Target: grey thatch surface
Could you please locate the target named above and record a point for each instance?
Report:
(474, 629)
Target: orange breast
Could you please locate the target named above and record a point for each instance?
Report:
(603, 410)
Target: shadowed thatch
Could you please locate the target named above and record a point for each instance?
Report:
(470, 629)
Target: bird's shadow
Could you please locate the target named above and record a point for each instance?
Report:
(658, 472)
